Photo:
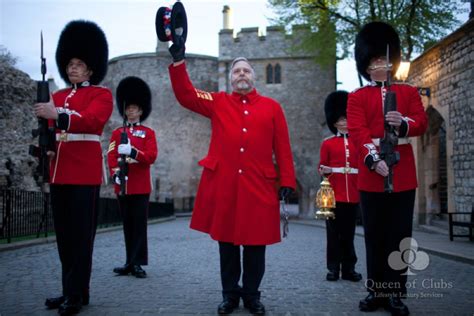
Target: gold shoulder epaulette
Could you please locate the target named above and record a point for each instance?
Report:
(111, 146)
(203, 95)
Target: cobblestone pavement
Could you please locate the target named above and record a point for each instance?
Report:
(183, 278)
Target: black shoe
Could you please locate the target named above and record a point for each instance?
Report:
(351, 276)
(396, 307)
(54, 302)
(71, 306)
(125, 270)
(255, 306)
(227, 306)
(138, 272)
(333, 275)
(371, 303)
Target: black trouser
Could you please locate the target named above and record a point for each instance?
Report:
(340, 232)
(253, 268)
(75, 209)
(134, 211)
(387, 220)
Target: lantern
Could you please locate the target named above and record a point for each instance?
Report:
(325, 201)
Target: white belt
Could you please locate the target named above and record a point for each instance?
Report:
(345, 170)
(401, 141)
(67, 137)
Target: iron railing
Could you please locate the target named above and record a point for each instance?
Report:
(24, 213)
(29, 214)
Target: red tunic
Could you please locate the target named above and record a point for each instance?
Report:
(237, 196)
(339, 152)
(88, 109)
(365, 120)
(143, 140)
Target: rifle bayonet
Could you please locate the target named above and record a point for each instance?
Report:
(45, 134)
(390, 138)
(389, 67)
(43, 60)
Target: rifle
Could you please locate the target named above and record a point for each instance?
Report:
(390, 138)
(45, 134)
(123, 158)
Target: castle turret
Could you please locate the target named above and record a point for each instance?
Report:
(228, 18)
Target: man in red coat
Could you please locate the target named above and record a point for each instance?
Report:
(237, 199)
(79, 114)
(338, 162)
(140, 153)
(387, 216)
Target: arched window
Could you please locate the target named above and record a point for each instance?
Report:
(277, 78)
(269, 74)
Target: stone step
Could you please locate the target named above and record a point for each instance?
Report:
(433, 229)
(442, 223)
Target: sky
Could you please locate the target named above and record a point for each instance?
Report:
(129, 27)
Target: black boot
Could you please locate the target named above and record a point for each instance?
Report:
(396, 307)
(138, 272)
(54, 302)
(333, 275)
(72, 305)
(371, 303)
(125, 270)
(227, 306)
(255, 306)
(351, 275)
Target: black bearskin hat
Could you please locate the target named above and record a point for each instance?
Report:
(171, 23)
(86, 41)
(372, 42)
(133, 90)
(335, 106)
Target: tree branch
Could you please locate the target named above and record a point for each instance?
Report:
(408, 29)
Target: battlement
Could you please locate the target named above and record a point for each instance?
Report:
(255, 43)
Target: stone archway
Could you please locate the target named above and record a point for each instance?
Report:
(435, 166)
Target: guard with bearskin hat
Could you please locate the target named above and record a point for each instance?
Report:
(387, 214)
(139, 151)
(338, 162)
(78, 114)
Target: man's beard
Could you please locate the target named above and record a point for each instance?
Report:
(244, 85)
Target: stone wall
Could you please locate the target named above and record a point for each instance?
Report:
(303, 89)
(183, 136)
(17, 96)
(448, 70)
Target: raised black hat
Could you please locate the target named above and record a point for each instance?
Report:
(86, 41)
(133, 90)
(372, 42)
(335, 106)
(171, 23)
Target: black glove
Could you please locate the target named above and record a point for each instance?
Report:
(285, 193)
(177, 50)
